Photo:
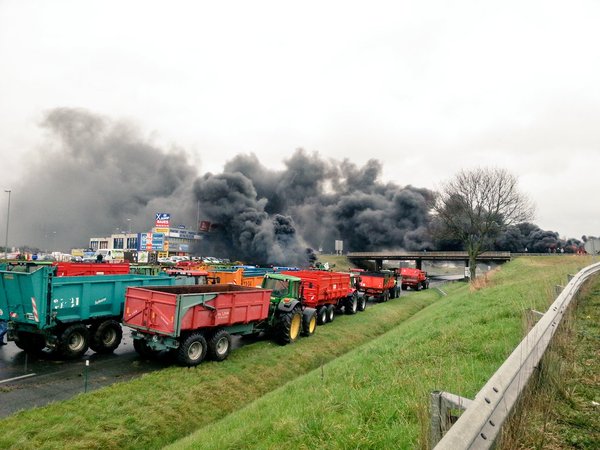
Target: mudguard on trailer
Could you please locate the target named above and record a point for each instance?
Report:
(287, 307)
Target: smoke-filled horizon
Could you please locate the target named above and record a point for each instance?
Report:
(96, 176)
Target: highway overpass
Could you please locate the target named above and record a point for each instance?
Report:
(419, 257)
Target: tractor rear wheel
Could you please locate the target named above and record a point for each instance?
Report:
(289, 326)
(192, 350)
(106, 337)
(219, 345)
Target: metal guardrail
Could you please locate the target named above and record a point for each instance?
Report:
(479, 426)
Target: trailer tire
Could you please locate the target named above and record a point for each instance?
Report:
(309, 322)
(418, 287)
(330, 313)
(106, 337)
(322, 315)
(219, 345)
(385, 296)
(289, 326)
(362, 303)
(30, 342)
(74, 341)
(142, 348)
(351, 304)
(192, 350)
(404, 287)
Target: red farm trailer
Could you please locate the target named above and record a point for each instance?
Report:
(197, 321)
(413, 278)
(380, 285)
(72, 269)
(327, 292)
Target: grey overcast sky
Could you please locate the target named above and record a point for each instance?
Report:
(426, 86)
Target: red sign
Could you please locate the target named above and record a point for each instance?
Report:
(204, 225)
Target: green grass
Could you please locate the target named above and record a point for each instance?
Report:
(361, 382)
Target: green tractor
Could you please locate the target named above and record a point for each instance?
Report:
(288, 318)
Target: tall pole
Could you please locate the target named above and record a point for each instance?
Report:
(7, 221)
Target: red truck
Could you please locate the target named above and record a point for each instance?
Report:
(327, 292)
(379, 285)
(413, 278)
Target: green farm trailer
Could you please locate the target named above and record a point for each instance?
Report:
(68, 314)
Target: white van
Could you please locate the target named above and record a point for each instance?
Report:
(111, 255)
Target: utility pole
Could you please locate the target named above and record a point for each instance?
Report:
(7, 221)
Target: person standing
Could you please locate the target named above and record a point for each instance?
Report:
(3, 330)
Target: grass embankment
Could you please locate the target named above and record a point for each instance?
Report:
(375, 397)
(378, 395)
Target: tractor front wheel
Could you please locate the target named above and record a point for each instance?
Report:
(309, 322)
(351, 304)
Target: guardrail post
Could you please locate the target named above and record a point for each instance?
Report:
(442, 404)
(558, 289)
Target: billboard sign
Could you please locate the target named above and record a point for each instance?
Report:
(162, 222)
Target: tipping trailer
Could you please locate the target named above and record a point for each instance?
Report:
(67, 313)
(413, 278)
(250, 277)
(196, 321)
(80, 269)
(380, 285)
(327, 292)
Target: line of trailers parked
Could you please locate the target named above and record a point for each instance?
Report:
(193, 312)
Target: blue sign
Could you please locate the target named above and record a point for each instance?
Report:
(163, 216)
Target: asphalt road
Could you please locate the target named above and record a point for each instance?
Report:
(28, 381)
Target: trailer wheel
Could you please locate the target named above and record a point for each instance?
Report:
(73, 342)
(404, 287)
(30, 342)
(330, 313)
(219, 345)
(192, 350)
(362, 303)
(351, 304)
(309, 322)
(106, 337)
(289, 326)
(322, 315)
(418, 287)
(142, 349)
(385, 296)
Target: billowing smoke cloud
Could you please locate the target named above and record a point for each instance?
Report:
(527, 237)
(92, 177)
(98, 173)
(324, 200)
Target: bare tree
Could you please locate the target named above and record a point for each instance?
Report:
(476, 205)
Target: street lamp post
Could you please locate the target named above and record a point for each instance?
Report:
(7, 221)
